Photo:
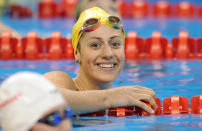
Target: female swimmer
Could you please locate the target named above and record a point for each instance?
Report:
(98, 40)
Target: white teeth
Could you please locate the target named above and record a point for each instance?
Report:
(106, 65)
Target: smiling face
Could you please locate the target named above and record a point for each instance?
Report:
(101, 54)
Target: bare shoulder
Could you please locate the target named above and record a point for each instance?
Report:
(61, 79)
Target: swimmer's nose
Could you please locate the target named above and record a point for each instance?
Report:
(107, 52)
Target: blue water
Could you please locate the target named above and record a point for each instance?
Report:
(166, 78)
(134, 123)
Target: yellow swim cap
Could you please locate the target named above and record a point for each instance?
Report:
(94, 12)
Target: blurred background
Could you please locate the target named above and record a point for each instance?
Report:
(142, 16)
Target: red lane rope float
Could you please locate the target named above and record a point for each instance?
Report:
(162, 9)
(175, 105)
(171, 106)
(156, 46)
(7, 46)
(17, 11)
(196, 105)
(134, 46)
(19, 51)
(185, 9)
(32, 46)
(199, 48)
(139, 9)
(200, 11)
(69, 51)
(184, 46)
(141, 112)
(121, 111)
(135, 9)
(47, 9)
(55, 46)
(68, 7)
(123, 8)
(169, 51)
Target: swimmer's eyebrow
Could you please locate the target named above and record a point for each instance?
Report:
(99, 38)
(114, 37)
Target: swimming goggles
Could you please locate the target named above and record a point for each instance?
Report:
(56, 118)
(92, 24)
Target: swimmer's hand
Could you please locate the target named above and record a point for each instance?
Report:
(131, 96)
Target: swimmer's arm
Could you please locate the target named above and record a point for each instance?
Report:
(83, 102)
(80, 101)
(96, 100)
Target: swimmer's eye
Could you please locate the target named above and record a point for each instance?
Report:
(116, 44)
(95, 45)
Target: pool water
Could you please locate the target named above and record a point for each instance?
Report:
(166, 78)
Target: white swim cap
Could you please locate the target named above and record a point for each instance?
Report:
(24, 98)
